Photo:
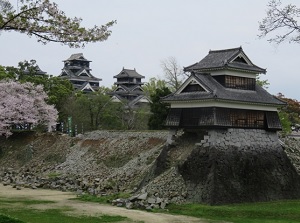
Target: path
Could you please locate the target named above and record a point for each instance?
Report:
(62, 199)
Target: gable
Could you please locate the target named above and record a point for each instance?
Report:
(119, 88)
(84, 73)
(115, 99)
(191, 85)
(241, 58)
(137, 88)
(87, 87)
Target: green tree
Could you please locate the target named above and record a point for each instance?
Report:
(282, 21)
(93, 111)
(285, 122)
(150, 87)
(44, 20)
(262, 83)
(292, 109)
(158, 109)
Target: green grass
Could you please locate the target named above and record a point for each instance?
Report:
(265, 212)
(19, 211)
(55, 216)
(7, 219)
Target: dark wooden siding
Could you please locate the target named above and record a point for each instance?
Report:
(222, 117)
(242, 83)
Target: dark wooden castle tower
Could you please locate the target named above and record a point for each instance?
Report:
(129, 88)
(77, 70)
(222, 92)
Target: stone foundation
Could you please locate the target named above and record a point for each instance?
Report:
(240, 138)
(239, 165)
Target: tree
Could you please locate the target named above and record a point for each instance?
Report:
(57, 89)
(93, 111)
(159, 109)
(281, 19)
(24, 105)
(151, 86)
(263, 83)
(292, 109)
(173, 73)
(44, 20)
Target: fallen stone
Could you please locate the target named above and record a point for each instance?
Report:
(143, 196)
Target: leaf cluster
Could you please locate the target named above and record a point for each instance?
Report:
(158, 109)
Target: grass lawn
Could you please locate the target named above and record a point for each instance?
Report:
(265, 212)
(17, 211)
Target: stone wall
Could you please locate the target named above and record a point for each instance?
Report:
(240, 138)
(239, 165)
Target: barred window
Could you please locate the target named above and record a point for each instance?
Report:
(198, 117)
(173, 118)
(242, 83)
(273, 121)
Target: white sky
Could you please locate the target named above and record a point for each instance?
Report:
(150, 31)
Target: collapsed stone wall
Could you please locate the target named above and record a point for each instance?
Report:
(214, 167)
(224, 166)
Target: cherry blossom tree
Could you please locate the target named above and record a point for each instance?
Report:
(24, 104)
(44, 20)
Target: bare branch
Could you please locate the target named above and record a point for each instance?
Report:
(281, 19)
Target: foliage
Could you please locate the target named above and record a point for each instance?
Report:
(57, 89)
(262, 83)
(6, 219)
(285, 122)
(92, 111)
(278, 211)
(5, 74)
(173, 73)
(159, 109)
(290, 113)
(281, 19)
(150, 87)
(44, 20)
(24, 104)
(135, 117)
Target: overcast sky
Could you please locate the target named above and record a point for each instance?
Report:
(148, 32)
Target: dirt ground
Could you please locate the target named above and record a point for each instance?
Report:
(62, 199)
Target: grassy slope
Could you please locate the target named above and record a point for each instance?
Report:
(11, 210)
(265, 212)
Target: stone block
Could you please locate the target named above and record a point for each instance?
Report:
(142, 196)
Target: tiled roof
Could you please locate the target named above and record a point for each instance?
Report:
(71, 75)
(137, 99)
(77, 56)
(217, 92)
(129, 73)
(224, 59)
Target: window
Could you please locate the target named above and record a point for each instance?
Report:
(273, 121)
(242, 83)
(173, 118)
